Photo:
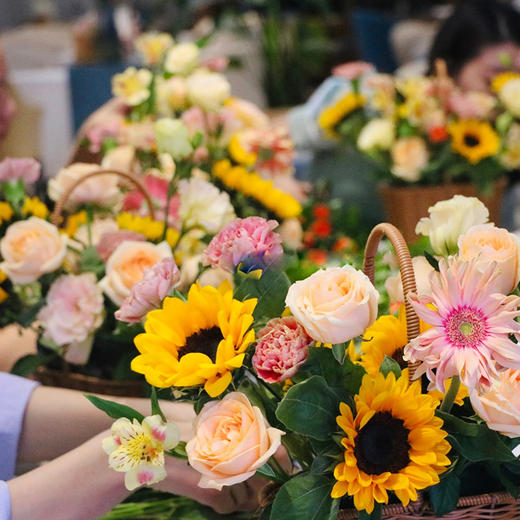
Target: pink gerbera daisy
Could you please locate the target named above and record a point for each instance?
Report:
(471, 325)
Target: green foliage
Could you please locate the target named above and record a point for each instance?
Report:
(390, 365)
(445, 494)
(156, 408)
(114, 410)
(90, 261)
(28, 364)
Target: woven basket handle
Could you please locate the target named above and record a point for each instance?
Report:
(60, 204)
(407, 273)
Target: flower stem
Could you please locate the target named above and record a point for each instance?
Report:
(90, 219)
(277, 468)
(450, 395)
(171, 191)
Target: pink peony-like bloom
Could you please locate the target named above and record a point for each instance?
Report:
(149, 293)
(471, 324)
(471, 105)
(110, 240)
(352, 70)
(24, 168)
(282, 347)
(245, 238)
(74, 310)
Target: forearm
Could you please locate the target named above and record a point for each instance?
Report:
(77, 485)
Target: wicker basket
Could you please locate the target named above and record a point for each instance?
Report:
(404, 206)
(488, 506)
(68, 379)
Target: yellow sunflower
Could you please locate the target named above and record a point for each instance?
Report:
(331, 116)
(3, 293)
(500, 80)
(462, 393)
(197, 342)
(6, 212)
(475, 140)
(394, 442)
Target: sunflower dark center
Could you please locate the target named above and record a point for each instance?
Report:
(382, 445)
(398, 356)
(204, 342)
(471, 140)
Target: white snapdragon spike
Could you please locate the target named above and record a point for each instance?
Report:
(137, 449)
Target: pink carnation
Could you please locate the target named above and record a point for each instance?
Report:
(249, 238)
(109, 242)
(24, 168)
(283, 346)
(149, 293)
(352, 70)
(74, 310)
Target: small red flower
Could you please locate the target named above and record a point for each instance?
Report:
(438, 134)
(343, 244)
(308, 239)
(321, 211)
(321, 228)
(317, 256)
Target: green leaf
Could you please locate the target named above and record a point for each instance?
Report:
(304, 496)
(266, 471)
(390, 365)
(14, 193)
(156, 408)
(28, 364)
(310, 408)
(374, 515)
(338, 351)
(506, 480)
(90, 261)
(432, 260)
(322, 464)
(455, 425)
(114, 410)
(445, 494)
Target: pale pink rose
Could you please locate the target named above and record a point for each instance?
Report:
(353, 69)
(110, 241)
(74, 310)
(126, 267)
(250, 238)
(24, 168)
(488, 244)
(232, 440)
(31, 248)
(194, 120)
(471, 105)
(282, 347)
(98, 133)
(409, 157)
(499, 405)
(334, 305)
(102, 190)
(216, 64)
(422, 269)
(149, 293)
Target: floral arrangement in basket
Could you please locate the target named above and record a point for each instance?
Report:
(423, 129)
(370, 410)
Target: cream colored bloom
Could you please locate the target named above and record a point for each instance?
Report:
(204, 206)
(153, 45)
(247, 113)
(214, 276)
(171, 95)
(137, 449)
(31, 248)
(292, 233)
(409, 156)
(173, 137)
(232, 440)
(449, 219)
(208, 90)
(132, 85)
(102, 190)
(334, 305)
(126, 267)
(120, 158)
(422, 269)
(509, 95)
(377, 134)
(510, 157)
(488, 244)
(182, 59)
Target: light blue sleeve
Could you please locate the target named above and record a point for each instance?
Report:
(5, 502)
(14, 395)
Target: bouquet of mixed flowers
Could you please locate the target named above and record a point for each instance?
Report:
(370, 409)
(423, 129)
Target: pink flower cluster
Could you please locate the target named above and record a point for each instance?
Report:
(149, 293)
(352, 70)
(110, 240)
(282, 347)
(98, 133)
(250, 238)
(24, 168)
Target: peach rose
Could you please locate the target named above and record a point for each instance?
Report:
(334, 305)
(232, 440)
(492, 244)
(410, 156)
(126, 267)
(422, 269)
(102, 190)
(31, 248)
(499, 405)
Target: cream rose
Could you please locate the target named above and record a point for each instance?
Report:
(377, 134)
(334, 305)
(208, 91)
(292, 233)
(121, 158)
(31, 248)
(182, 59)
(409, 156)
(509, 95)
(422, 269)
(491, 244)
(499, 405)
(126, 267)
(102, 190)
(232, 440)
(449, 219)
(172, 137)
